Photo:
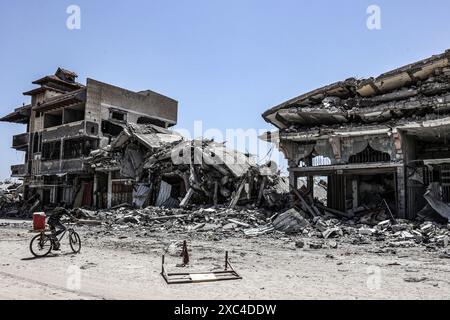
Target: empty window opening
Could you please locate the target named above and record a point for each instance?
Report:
(118, 115)
(438, 174)
(317, 161)
(36, 142)
(74, 113)
(372, 190)
(111, 129)
(77, 148)
(53, 118)
(320, 187)
(92, 128)
(156, 122)
(51, 150)
(432, 149)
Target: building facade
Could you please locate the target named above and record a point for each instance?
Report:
(67, 120)
(379, 142)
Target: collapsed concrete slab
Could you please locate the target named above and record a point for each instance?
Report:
(158, 167)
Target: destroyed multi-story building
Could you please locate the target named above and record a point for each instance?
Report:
(167, 170)
(379, 142)
(65, 122)
(374, 144)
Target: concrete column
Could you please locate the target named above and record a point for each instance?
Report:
(26, 191)
(95, 191)
(109, 189)
(310, 181)
(355, 193)
(293, 179)
(408, 144)
(53, 194)
(401, 192)
(61, 153)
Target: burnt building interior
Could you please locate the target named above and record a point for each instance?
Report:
(380, 142)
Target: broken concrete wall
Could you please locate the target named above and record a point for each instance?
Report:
(103, 98)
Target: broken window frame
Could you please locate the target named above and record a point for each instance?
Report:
(113, 113)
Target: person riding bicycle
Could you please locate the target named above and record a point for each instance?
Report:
(54, 221)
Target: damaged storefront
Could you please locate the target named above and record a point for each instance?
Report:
(380, 144)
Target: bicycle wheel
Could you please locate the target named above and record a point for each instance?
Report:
(75, 242)
(41, 245)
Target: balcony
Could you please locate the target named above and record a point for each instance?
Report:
(58, 166)
(20, 141)
(18, 171)
(71, 130)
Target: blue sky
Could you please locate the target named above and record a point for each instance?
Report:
(224, 61)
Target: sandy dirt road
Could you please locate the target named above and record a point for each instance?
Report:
(127, 264)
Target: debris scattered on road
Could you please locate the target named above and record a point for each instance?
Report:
(414, 279)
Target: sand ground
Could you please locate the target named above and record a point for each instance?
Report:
(127, 264)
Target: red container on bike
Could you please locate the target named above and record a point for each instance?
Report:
(39, 220)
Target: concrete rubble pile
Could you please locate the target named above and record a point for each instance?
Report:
(323, 230)
(313, 220)
(11, 200)
(309, 219)
(169, 171)
(211, 221)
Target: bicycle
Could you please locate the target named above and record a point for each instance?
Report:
(42, 244)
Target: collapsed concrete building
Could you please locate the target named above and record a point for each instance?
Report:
(65, 122)
(379, 142)
(162, 168)
(100, 146)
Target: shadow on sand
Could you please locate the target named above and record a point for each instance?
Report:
(51, 255)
